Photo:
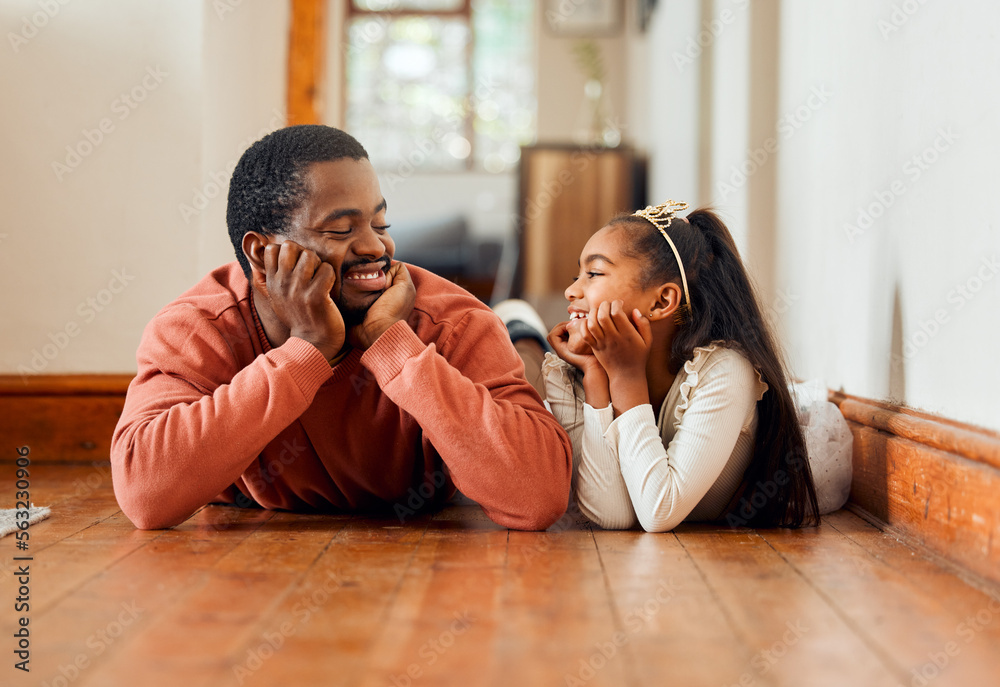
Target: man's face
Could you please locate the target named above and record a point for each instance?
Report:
(343, 221)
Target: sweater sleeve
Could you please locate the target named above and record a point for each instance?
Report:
(472, 402)
(194, 421)
(665, 484)
(598, 485)
(601, 491)
(563, 396)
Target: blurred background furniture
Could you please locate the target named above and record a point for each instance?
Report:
(446, 247)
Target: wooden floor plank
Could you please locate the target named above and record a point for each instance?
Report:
(329, 622)
(53, 483)
(220, 614)
(442, 625)
(103, 616)
(555, 610)
(69, 563)
(885, 548)
(79, 496)
(249, 597)
(936, 627)
(791, 628)
(75, 510)
(672, 623)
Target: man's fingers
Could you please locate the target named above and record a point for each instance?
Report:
(288, 256)
(399, 278)
(325, 276)
(398, 271)
(307, 264)
(271, 251)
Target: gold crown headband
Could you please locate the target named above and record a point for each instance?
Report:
(661, 216)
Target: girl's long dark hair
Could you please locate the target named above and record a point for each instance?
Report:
(777, 488)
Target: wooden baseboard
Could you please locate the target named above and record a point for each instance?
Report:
(63, 418)
(935, 480)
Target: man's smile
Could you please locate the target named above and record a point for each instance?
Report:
(367, 276)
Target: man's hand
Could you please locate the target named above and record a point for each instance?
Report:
(621, 344)
(298, 288)
(395, 304)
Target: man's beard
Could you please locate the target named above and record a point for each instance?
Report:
(352, 316)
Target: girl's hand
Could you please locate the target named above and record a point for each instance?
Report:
(559, 339)
(621, 345)
(595, 379)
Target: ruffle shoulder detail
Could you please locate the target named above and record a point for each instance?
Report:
(692, 369)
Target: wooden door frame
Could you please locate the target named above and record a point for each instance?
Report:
(306, 57)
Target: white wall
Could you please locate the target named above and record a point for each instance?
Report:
(918, 85)
(728, 27)
(699, 97)
(244, 72)
(176, 86)
(673, 103)
(560, 82)
(858, 89)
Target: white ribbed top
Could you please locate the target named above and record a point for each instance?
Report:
(657, 470)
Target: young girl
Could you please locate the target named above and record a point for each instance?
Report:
(670, 384)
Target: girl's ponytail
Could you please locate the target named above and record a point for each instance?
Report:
(777, 488)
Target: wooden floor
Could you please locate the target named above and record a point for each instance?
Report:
(250, 597)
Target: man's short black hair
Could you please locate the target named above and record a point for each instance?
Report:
(268, 183)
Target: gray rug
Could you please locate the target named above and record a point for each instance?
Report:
(8, 519)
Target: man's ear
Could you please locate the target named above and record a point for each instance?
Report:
(254, 244)
(667, 299)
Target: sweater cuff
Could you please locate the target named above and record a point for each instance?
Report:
(307, 366)
(630, 423)
(386, 357)
(602, 417)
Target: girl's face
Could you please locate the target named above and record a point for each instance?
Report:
(606, 274)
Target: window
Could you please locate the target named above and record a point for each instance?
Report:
(442, 85)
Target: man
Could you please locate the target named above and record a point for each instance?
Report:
(317, 374)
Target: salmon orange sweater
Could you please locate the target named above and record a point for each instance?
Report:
(437, 402)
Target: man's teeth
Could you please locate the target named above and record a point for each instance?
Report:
(372, 275)
(577, 315)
